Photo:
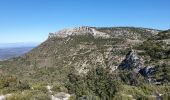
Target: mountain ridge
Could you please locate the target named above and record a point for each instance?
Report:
(98, 31)
(123, 36)
(77, 60)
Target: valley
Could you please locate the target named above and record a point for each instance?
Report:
(11, 52)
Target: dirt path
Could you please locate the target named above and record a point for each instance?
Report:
(58, 96)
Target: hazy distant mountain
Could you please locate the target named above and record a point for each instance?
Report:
(18, 44)
(10, 50)
(7, 53)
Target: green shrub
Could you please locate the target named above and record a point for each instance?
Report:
(98, 83)
(40, 87)
(8, 90)
(59, 88)
(18, 96)
(146, 98)
(41, 96)
(166, 96)
(72, 97)
(155, 49)
(23, 85)
(29, 95)
(121, 97)
(9, 83)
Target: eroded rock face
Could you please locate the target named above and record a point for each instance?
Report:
(147, 71)
(84, 30)
(133, 63)
(131, 60)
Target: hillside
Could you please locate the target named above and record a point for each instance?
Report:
(85, 50)
(69, 59)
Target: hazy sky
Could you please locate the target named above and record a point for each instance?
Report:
(32, 20)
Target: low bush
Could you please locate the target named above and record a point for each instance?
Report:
(40, 87)
(97, 83)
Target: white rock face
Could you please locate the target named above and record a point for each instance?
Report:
(167, 41)
(79, 31)
(97, 34)
(49, 88)
(3, 97)
(61, 96)
(130, 60)
(58, 96)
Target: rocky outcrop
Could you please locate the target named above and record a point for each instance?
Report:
(133, 63)
(84, 30)
(147, 71)
(58, 96)
(131, 60)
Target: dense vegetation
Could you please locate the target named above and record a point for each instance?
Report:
(155, 49)
(98, 83)
(163, 35)
(23, 89)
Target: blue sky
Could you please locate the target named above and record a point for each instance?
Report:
(32, 20)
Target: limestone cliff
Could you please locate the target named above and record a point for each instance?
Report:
(84, 30)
